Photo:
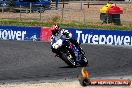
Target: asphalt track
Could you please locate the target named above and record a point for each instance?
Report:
(34, 60)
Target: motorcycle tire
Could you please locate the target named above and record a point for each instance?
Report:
(84, 61)
(68, 59)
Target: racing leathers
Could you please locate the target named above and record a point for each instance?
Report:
(56, 40)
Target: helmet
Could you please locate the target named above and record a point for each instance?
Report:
(55, 29)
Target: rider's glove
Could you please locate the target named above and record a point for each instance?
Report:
(68, 35)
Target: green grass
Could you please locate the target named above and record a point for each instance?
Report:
(64, 24)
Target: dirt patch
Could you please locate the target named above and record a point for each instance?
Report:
(72, 12)
(74, 84)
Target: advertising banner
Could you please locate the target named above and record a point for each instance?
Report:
(45, 34)
(108, 37)
(91, 36)
(19, 33)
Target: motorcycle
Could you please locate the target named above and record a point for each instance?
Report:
(71, 55)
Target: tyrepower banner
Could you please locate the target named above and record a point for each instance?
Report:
(108, 37)
(91, 36)
(19, 33)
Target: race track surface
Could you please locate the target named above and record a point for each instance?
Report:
(34, 60)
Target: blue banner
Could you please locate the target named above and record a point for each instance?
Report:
(91, 36)
(19, 33)
(108, 37)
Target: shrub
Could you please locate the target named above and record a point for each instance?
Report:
(55, 19)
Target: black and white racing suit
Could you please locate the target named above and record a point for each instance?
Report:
(56, 40)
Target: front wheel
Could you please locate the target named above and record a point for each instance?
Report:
(68, 59)
(84, 61)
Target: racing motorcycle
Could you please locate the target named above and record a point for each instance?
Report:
(71, 55)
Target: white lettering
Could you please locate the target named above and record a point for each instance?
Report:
(89, 37)
(118, 40)
(110, 40)
(18, 35)
(126, 40)
(131, 40)
(0, 34)
(102, 39)
(95, 39)
(9, 34)
(78, 32)
(84, 38)
(4, 34)
(23, 34)
(94, 82)
(13, 34)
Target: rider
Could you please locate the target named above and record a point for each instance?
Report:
(56, 40)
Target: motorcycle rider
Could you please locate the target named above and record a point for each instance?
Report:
(56, 38)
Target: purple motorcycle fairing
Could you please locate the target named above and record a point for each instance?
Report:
(73, 47)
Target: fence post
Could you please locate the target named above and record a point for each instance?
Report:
(84, 20)
(40, 15)
(30, 7)
(63, 3)
(88, 4)
(56, 4)
(2, 9)
(27, 11)
(81, 4)
(20, 12)
(107, 19)
(62, 13)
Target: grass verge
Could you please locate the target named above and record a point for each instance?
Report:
(66, 24)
